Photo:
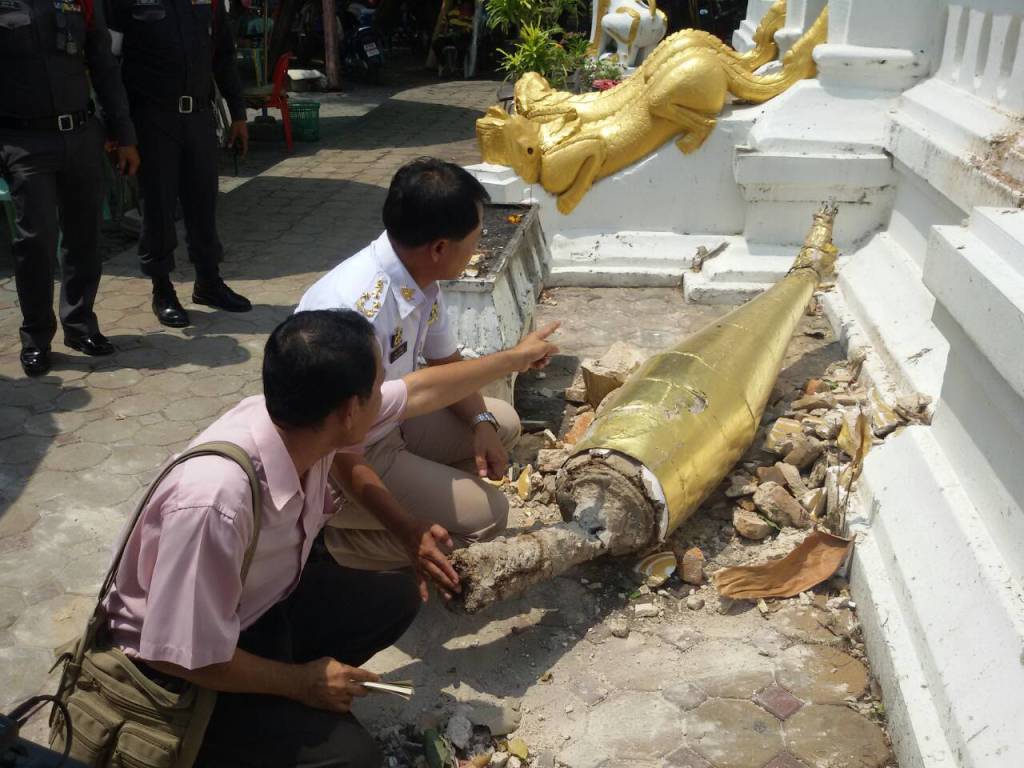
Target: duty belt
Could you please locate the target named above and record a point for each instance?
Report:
(71, 121)
(184, 105)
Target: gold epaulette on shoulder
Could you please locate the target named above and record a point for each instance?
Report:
(369, 304)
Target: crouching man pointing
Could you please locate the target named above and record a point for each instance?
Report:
(286, 668)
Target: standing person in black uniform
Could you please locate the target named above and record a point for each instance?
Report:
(51, 154)
(172, 51)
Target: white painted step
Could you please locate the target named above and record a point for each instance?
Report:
(911, 714)
(1002, 230)
(627, 258)
(739, 273)
(936, 141)
(983, 293)
(881, 292)
(938, 590)
(767, 266)
(698, 289)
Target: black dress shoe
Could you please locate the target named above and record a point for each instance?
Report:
(35, 361)
(216, 294)
(94, 345)
(168, 309)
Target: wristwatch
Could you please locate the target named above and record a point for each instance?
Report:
(486, 417)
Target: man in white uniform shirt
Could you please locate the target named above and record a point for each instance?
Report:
(433, 466)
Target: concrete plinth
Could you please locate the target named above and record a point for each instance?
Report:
(641, 220)
(494, 311)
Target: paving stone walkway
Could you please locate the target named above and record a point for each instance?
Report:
(686, 688)
(77, 446)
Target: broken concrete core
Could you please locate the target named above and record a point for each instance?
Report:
(506, 567)
(609, 514)
(606, 374)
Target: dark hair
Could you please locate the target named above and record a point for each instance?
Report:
(315, 361)
(430, 200)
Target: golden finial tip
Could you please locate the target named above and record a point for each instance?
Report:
(818, 252)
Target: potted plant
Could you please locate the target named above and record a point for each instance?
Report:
(542, 43)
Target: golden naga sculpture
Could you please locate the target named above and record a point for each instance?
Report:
(567, 142)
(538, 102)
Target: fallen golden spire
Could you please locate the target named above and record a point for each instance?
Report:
(684, 417)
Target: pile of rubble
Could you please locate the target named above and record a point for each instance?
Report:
(796, 476)
(801, 468)
(532, 486)
(464, 736)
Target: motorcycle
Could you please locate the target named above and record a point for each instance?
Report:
(362, 51)
(409, 31)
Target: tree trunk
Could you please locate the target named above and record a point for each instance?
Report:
(331, 46)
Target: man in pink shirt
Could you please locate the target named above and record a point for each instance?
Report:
(285, 649)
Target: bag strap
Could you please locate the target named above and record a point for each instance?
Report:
(218, 448)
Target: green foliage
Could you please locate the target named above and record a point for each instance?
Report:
(545, 14)
(576, 45)
(535, 51)
(505, 14)
(538, 50)
(541, 44)
(605, 69)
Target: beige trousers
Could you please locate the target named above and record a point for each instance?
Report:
(427, 463)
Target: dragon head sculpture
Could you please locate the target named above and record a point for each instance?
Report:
(511, 140)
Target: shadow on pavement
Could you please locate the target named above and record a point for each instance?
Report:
(500, 653)
(273, 227)
(25, 438)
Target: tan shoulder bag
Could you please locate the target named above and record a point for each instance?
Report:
(119, 717)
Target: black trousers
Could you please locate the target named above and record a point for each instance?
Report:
(56, 183)
(340, 612)
(179, 163)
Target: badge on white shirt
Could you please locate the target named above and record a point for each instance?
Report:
(399, 346)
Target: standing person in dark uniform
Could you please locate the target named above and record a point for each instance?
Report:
(51, 154)
(172, 51)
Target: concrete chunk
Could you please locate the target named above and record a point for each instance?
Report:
(750, 525)
(779, 437)
(771, 474)
(740, 484)
(803, 451)
(791, 478)
(693, 566)
(883, 418)
(810, 402)
(551, 459)
(775, 503)
(607, 373)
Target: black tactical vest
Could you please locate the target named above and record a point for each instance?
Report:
(42, 57)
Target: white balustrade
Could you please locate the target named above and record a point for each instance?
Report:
(983, 52)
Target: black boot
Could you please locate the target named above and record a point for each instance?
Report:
(166, 307)
(35, 361)
(214, 293)
(92, 344)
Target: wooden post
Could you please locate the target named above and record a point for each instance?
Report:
(266, 42)
(331, 46)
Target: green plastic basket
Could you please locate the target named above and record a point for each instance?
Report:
(305, 119)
